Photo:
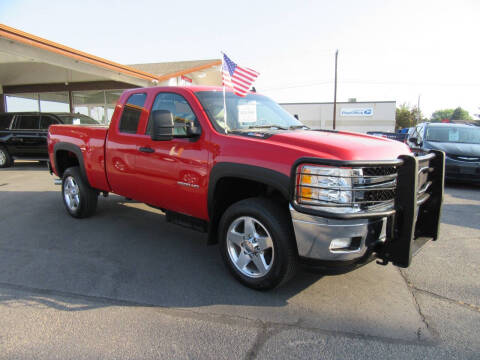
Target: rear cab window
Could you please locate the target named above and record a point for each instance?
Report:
(132, 112)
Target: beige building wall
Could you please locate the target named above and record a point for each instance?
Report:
(320, 115)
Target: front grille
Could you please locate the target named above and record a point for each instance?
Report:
(376, 187)
(379, 195)
(379, 171)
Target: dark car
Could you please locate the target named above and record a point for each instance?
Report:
(461, 144)
(23, 136)
(402, 137)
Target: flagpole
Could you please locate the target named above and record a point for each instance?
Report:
(225, 110)
(224, 100)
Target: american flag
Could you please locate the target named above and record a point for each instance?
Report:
(240, 79)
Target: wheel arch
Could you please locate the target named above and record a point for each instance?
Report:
(67, 155)
(232, 182)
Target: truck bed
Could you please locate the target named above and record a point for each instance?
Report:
(91, 142)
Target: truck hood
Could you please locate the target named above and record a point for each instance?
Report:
(341, 145)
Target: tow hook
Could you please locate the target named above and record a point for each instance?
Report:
(382, 262)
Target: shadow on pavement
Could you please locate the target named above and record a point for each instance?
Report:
(466, 215)
(126, 252)
(27, 165)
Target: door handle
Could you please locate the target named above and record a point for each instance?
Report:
(146, 150)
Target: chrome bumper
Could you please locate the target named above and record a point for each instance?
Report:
(318, 237)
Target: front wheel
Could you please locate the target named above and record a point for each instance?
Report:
(257, 243)
(79, 198)
(5, 158)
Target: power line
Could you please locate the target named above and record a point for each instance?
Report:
(361, 82)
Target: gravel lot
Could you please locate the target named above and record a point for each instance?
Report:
(125, 284)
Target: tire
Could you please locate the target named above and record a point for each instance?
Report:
(79, 198)
(272, 245)
(5, 158)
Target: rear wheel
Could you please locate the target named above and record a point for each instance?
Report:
(79, 198)
(5, 158)
(257, 244)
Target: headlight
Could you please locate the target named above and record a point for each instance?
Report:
(329, 187)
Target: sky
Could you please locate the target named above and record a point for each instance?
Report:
(388, 50)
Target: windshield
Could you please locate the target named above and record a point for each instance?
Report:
(77, 119)
(243, 113)
(453, 134)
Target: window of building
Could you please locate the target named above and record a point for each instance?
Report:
(22, 102)
(98, 104)
(41, 102)
(54, 102)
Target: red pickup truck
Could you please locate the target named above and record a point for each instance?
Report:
(272, 192)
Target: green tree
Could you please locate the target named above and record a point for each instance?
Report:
(451, 114)
(460, 114)
(406, 117)
(440, 115)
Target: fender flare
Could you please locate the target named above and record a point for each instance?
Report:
(275, 179)
(74, 149)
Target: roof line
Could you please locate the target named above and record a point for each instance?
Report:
(29, 39)
(190, 70)
(339, 102)
(36, 41)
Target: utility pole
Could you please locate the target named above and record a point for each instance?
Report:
(418, 110)
(335, 93)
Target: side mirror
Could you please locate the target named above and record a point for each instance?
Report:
(162, 129)
(415, 140)
(193, 130)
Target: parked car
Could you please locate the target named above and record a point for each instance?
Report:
(272, 192)
(23, 136)
(402, 137)
(461, 144)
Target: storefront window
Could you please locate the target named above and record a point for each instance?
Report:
(54, 102)
(22, 102)
(98, 104)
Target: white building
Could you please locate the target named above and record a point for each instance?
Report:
(351, 116)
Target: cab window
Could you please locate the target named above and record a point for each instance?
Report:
(131, 113)
(179, 107)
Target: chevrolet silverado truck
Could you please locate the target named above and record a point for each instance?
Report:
(270, 191)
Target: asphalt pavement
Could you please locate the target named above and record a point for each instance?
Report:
(125, 284)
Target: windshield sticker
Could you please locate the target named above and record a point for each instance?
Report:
(247, 113)
(453, 135)
(76, 121)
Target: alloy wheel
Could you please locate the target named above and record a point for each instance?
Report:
(71, 193)
(250, 247)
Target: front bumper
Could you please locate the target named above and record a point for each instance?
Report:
(315, 234)
(393, 235)
(462, 171)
